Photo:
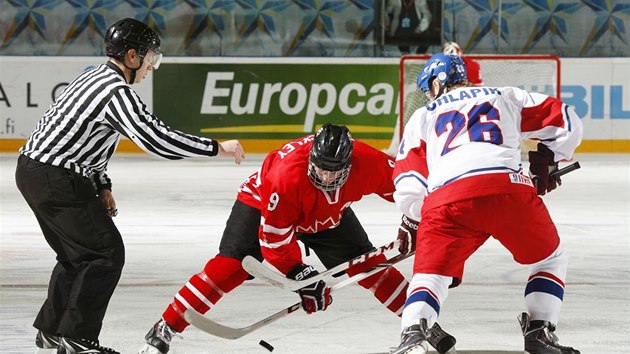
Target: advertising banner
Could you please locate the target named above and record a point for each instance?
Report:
(28, 86)
(264, 102)
(599, 90)
(277, 100)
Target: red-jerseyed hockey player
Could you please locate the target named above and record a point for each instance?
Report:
(459, 171)
(303, 191)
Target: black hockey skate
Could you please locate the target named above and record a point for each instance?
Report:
(158, 340)
(540, 339)
(413, 339)
(81, 346)
(46, 343)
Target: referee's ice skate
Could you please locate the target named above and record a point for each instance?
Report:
(80, 345)
(46, 343)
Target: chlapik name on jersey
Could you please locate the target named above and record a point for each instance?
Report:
(463, 94)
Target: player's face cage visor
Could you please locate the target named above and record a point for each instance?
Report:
(328, 181)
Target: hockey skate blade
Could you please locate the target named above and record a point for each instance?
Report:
(417, 350)
(421, 348)
(480, 352)
(149, 349)
(433, 351)
(46, 351)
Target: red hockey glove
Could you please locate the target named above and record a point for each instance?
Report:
(316, 296)
(541, 163)
(407, 235)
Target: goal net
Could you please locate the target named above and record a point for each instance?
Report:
(534, 73)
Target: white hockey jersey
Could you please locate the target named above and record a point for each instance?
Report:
(475, 131)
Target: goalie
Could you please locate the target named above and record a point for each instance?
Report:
(303, 191)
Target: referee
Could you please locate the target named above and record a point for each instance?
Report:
(61, 174)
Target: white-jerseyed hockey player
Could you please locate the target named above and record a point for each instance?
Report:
(458, 171)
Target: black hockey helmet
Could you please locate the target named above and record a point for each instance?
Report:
(129, 33)
(330, 157)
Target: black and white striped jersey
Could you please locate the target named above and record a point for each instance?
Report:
(81, 129)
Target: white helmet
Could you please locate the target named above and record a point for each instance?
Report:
(451, 48)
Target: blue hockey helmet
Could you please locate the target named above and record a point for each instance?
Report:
(448, 69)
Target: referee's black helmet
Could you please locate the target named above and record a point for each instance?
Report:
(129, 33)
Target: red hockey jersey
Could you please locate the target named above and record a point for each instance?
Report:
(290, 203)
(473, 71)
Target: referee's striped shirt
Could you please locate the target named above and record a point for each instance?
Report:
(81, 129)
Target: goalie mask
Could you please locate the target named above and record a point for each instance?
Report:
(452, 48)
(447, 69)
(330, 158)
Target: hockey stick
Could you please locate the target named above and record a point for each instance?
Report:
(209, 326)
(566, 169)
(259, 270)
(555, 174)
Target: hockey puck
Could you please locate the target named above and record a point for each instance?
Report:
(266, 345)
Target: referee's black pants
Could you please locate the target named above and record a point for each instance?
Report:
(89, 248)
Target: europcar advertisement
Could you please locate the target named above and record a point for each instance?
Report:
(278, 100)
(267, 101)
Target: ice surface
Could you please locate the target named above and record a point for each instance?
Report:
(172, 214)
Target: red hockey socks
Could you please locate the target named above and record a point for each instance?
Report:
(389, 286)
(220, 276)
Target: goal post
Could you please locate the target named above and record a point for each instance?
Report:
(534, 73)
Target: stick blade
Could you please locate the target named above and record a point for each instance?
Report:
(207, 325)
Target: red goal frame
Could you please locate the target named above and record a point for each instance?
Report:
(403, 59)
